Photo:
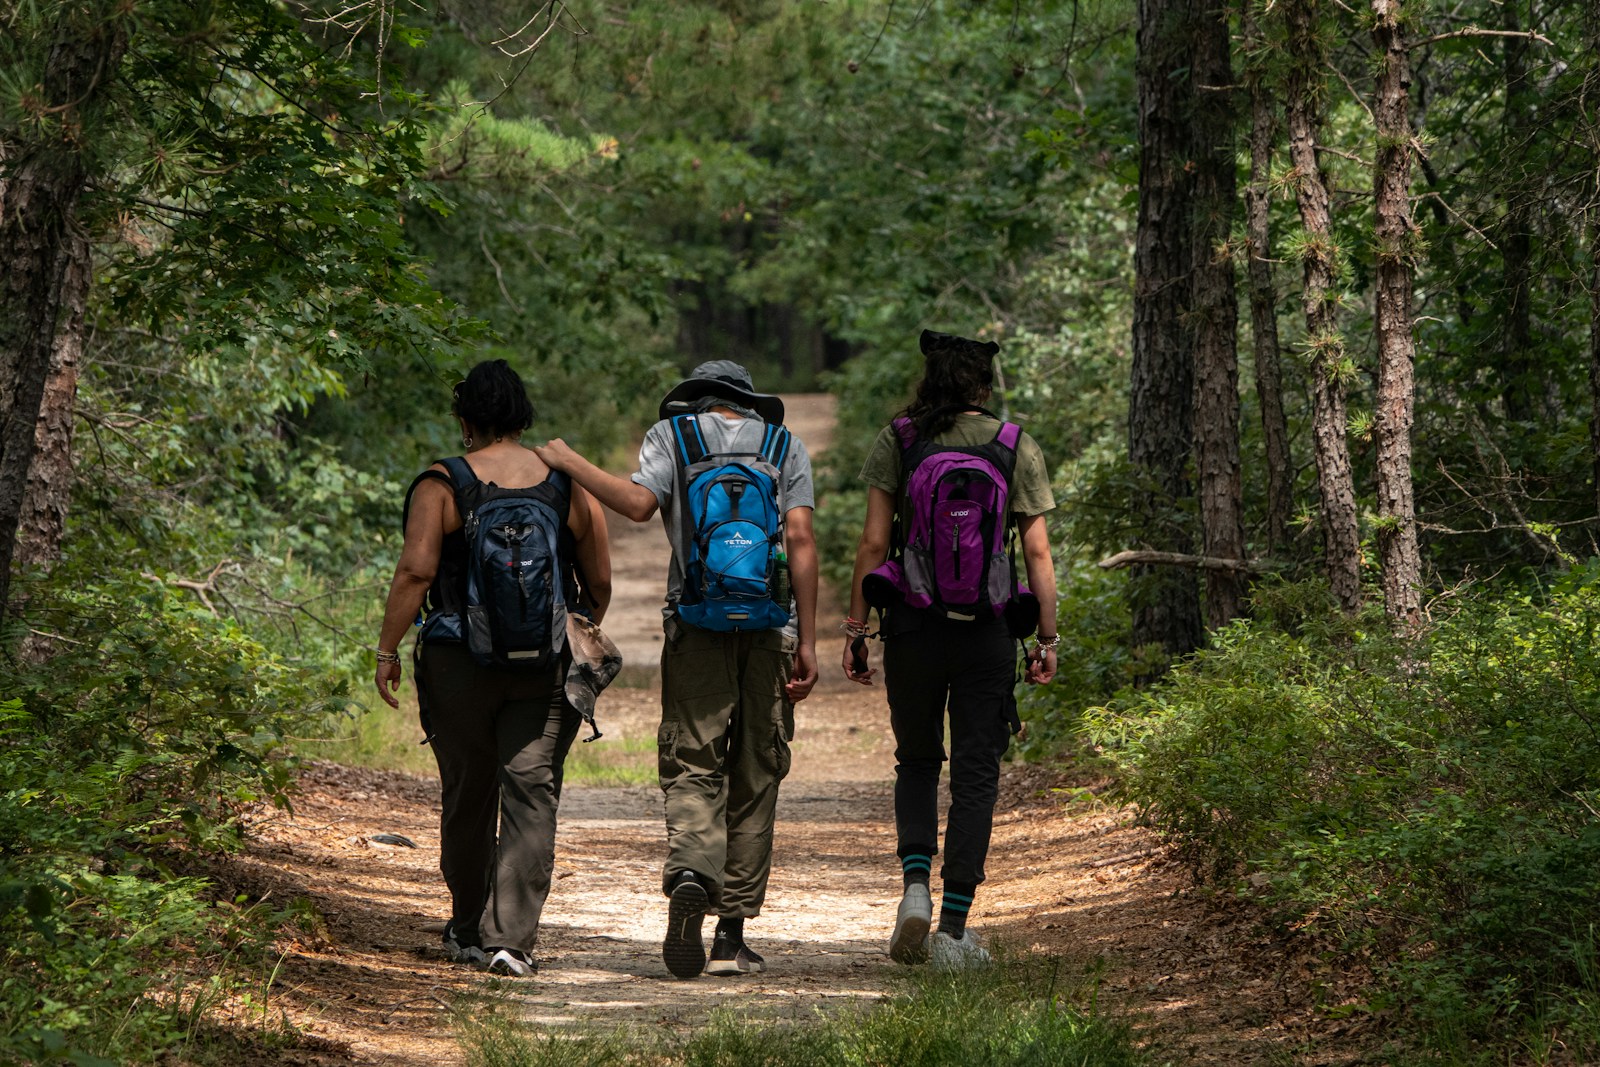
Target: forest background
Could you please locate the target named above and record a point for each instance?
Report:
(1351, 671)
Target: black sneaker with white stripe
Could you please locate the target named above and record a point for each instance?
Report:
(684, 948)
(731, 956)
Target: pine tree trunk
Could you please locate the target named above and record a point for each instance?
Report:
(1396, 237)
(45, 178)
(1264, 302)
(44, 508)
(1340, 536)
(1214, 315)
(1165, 601)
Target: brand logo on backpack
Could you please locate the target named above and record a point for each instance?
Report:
(733, 524)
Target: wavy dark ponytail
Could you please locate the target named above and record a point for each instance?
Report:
(956, 372)
(493, 400)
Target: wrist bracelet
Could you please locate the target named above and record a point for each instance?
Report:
(853, 627)
(388, 657)
(1047, 644)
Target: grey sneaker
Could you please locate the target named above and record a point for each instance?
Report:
(730, 955)
(684, 948)
(461, 951)
(511, 963)
(909, 942)
(957, 953)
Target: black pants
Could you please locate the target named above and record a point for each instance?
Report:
(500, 737)
(931, 664)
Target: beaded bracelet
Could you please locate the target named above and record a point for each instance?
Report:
(853, 627)
(388, 657)
(1047, 644)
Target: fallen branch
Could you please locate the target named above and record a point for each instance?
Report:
(1126, 857)
(1134, 557)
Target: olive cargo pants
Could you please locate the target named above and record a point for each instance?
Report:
(722, 749)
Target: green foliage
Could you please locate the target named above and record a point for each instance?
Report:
(1023, 1012)
(1432, 801)
(137, 744)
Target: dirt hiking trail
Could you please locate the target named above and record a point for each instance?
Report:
(367, 983)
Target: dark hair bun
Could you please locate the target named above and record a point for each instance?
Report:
(492, 400)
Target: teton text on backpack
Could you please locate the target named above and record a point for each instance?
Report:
(733, 523)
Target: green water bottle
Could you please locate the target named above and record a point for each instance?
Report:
(780, 579)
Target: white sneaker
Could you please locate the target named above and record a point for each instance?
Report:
(957, 954)
(909, 942)
(511, 963)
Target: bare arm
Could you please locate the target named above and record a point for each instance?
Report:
(800, 543)
(1042, 580)
(413, 574)
(627, 498)
(871, 551)
(594, 549)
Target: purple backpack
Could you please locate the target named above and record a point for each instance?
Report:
(953, 557)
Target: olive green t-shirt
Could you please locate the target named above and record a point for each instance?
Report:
(1030, 481)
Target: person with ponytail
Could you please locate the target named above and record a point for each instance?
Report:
(940, 658)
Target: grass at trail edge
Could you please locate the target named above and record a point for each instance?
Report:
(1027, 1011)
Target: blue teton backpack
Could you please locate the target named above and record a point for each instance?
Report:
(733, 524)
(512, 606)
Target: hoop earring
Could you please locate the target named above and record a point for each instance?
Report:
(466, 442)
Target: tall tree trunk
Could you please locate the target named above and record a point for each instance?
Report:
(1264, 299)
(1165, 601)
(1396, 240)
(43, 179)
(1521, 390)
(44, 508)
(1303, 117)
(1214, 314)
(1594, 354)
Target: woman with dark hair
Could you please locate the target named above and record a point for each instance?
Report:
(500, 730)
(950, 628)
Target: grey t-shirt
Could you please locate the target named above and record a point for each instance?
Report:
(659, 468)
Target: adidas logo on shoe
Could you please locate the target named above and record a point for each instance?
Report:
(731, 956)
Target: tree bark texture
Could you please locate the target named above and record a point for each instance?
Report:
(1264, 300)
(1594, 354)
(44, 507)
(1165, 602)
(1214, 313)
(1396, 238)
(1336, 486)
(41, 182)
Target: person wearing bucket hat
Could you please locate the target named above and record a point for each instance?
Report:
(947, 482)
(734, 490)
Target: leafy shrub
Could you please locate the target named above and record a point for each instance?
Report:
(132, 748)
(1437, 800)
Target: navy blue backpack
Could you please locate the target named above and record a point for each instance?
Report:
(512, 610)
(733, 523)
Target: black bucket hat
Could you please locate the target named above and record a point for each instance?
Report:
(726, 379)
(933, 341)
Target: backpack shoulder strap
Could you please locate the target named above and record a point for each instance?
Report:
(1010, 434)
(906, 431)
(431, 475)
(691, 443)
(775, 444)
